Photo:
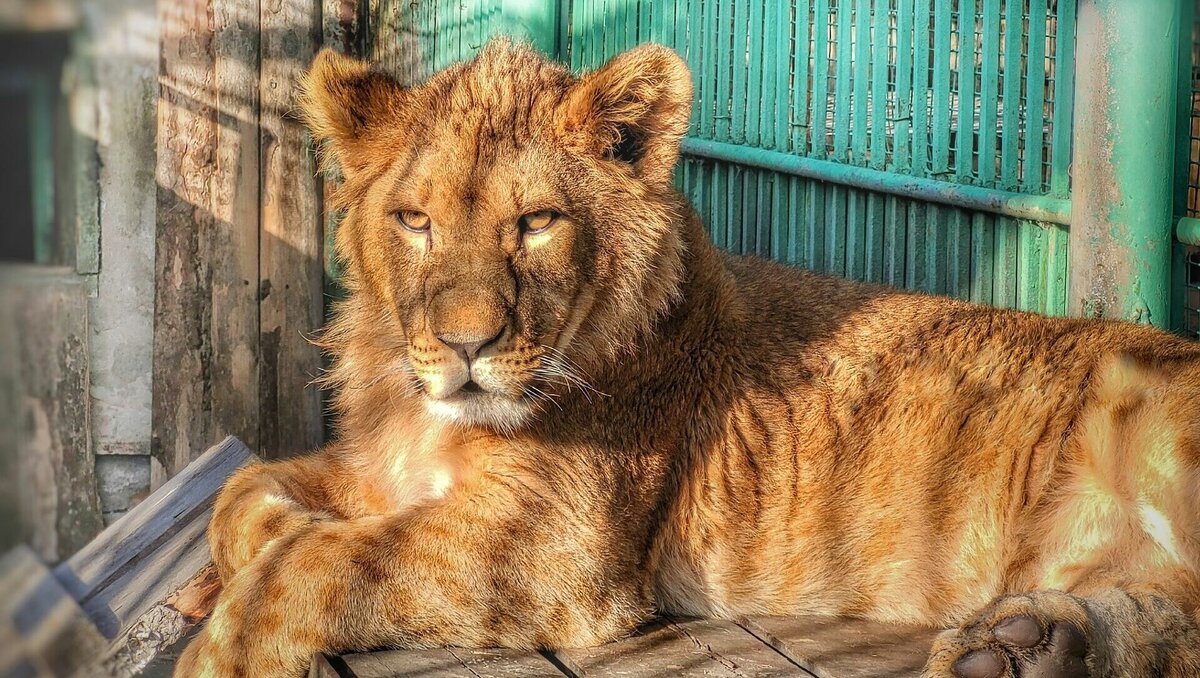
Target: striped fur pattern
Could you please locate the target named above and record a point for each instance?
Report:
(641, 422)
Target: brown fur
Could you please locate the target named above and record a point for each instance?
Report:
(666, 426)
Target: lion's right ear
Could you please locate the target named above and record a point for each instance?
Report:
(341, 99)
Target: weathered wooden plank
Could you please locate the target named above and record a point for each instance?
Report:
(831, 647)
(205, 364)
(43, 632)
(704, 647)
(290, 266)
(48, 481)
(440, 663)
(155, 549)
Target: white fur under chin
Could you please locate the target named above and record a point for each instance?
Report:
(489, 411)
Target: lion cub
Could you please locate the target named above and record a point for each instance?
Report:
(561, 408)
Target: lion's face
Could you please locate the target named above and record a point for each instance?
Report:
(512, 223)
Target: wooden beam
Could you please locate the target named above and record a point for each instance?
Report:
(290, 266)
(833, 647)
(205, 366)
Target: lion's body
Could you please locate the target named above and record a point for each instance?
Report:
(754, 439)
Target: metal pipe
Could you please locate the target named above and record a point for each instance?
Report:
(1187, 231)
(1018, 205)
(1125, 96)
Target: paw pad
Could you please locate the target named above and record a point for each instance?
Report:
(1020, 648)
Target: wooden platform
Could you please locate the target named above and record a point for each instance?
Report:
(761, 646)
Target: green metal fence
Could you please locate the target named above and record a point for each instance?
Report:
(922, 143)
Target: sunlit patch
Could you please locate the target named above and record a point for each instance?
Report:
(1159, 528)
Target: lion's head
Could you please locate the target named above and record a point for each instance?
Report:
(506, 221)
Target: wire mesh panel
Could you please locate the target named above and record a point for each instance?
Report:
(974, 92)
(1191, 273)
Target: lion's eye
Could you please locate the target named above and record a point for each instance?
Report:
(538, 222)
(417, 222)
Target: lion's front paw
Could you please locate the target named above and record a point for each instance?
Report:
(1042, 635)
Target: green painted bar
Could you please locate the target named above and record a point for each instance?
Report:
(844, 68)
(967, 60)
(1032, 207)
(941, 87)
(859, 108)
(820, 84)
(920, 88)
(1010, 97)
(1035, 78)
(801, 120)
(1121, 241)
(989, 90)
(901, 132)
(879, 88)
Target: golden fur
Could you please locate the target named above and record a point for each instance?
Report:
(545, 435)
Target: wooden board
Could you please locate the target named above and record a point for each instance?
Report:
(291, 237)
(47, 468)
(443, 663)
(702, 647)
(43, 632)
(155, 549)
(831, 647)
(807, 647)
(205, 364)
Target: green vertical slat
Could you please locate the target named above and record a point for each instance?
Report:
(748, 221)
(989, 90)
(843, 66)
(801, 118)
(967, 60)
(835, 230)
(941, 87)
(937, 238)
(861, 71)
(916, 261)
(958, 248)
(730, 203)
(920, 94)
(1057, 263)
(1010, 98)
(875, 238)
(797, 243)
(740, 70)
(1004, 264)
(725, 67)
(901, 135)
(879, 86)
(766, 218)
(708, 69)
(820, 80)
(1030, 261)
(1035, 80)
(982, 257)
(856, 234)
(781, 218)
(895, 233)
(814, 200)
(756, 72)
(1064, 88)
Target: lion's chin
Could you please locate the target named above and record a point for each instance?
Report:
(482, 410)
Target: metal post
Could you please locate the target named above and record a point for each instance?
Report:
(1125, 92)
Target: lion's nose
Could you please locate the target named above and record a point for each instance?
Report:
(468, 344)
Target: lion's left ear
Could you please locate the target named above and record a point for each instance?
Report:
(634, 109)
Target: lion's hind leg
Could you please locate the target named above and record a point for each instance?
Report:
(1111, 553)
